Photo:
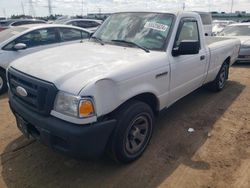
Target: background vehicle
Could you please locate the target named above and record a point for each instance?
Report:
(103, 94)
(207, 22)
(19, 41)
(17, 22)
(240, 31)
(219, 25)
(89, 24)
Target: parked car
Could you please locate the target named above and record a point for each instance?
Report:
(89, 24)
(83, 99)
(240, 31)
(219, 25)
(19, 41)
(206, 18)
(5, 24)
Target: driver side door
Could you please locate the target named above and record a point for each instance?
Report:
(187, 71)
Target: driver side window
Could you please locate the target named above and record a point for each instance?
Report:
(187, 31)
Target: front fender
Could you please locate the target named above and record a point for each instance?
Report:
(108, 94)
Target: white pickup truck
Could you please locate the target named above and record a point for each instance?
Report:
(102, 95)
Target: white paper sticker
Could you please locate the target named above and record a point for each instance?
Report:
(156, 26)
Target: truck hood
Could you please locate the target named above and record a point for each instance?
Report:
(71, 67)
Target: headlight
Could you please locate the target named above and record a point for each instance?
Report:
(74, 105)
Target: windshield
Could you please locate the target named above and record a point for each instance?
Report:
(8, 33)
(148, 30)
(237, 30)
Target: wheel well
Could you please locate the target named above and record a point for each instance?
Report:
(149, 99)
(227, 61)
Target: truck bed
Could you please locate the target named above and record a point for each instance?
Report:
(220, 49)
(212, 40)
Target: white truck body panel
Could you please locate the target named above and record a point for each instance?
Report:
(114, 74)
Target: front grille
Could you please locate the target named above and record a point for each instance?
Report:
(41, 94)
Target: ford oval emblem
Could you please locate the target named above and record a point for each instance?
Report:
(21, 91)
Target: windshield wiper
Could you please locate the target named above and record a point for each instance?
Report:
(132, 43)
(98, 39)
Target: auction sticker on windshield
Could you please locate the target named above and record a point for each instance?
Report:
(156, 26)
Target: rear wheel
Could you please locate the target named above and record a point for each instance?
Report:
(3, 82)
(220, 80)
(133, 132)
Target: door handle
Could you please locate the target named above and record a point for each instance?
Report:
(202, 57)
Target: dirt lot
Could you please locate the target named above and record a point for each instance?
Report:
(217, 154)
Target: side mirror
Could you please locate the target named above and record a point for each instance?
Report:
(187, 47)
(20, 46)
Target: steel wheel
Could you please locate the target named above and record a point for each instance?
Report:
(137, 134)
(222, 77)
(1, 82)
(134, 129)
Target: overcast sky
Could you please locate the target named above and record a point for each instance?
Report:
(73, 7)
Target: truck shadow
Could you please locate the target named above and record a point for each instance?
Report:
(30, 164)
(3, 96)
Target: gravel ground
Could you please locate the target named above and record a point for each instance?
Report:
(216, 154)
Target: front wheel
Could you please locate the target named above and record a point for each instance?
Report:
(133, 132)
(3, 82)
(221, 78)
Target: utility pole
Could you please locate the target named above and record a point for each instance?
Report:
(50, 7)
(209, 6)
(31, 9)
(4, 13)
(22, 7)
(183, 6)
(82, 7)
(232, 4)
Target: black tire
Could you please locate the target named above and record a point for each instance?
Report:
(135, 122)
(220, 80)
(3, 82)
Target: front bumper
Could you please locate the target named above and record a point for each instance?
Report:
(79, 141)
